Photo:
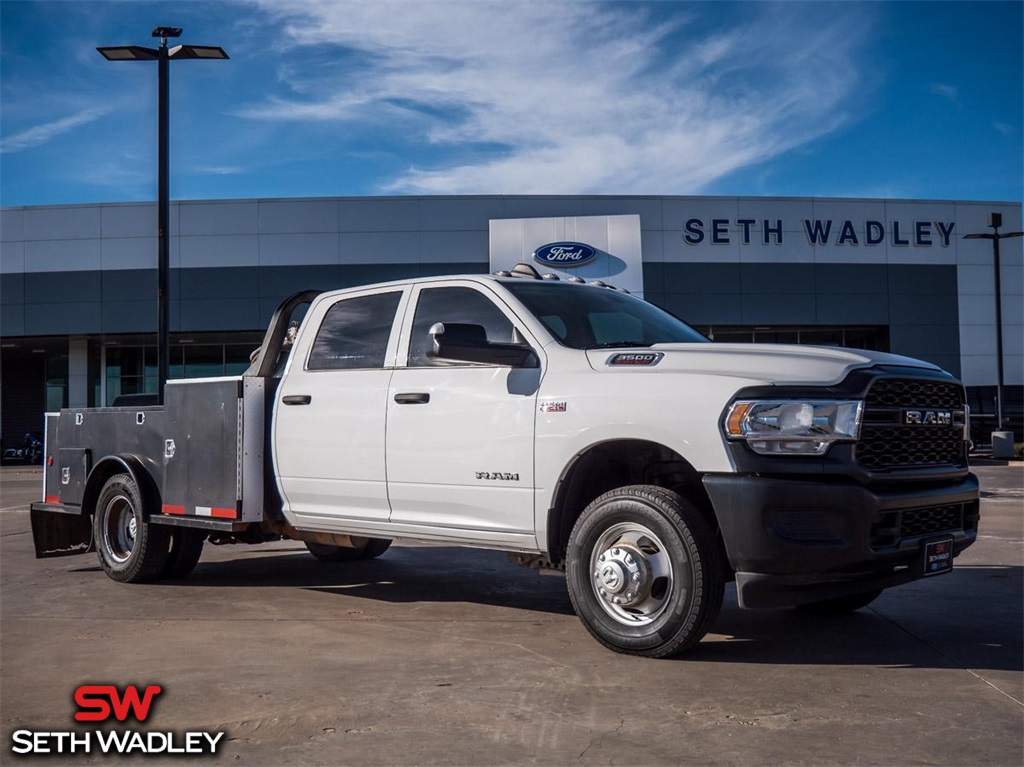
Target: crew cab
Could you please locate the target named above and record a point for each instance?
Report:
(574, 425)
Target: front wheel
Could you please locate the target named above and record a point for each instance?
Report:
(130, 549)
(644, 570)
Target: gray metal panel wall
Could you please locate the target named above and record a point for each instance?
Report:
(201, 299)
(918, 302)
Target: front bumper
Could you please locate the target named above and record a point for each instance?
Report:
(793, 541)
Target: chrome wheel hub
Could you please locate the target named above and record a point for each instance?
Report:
(119, 528)
(622, 576)
(631, 574)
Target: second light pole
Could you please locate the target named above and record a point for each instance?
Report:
(995, 220)
(163, 56)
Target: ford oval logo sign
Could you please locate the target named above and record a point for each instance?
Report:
(564, 254)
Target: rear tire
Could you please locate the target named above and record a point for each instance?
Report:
(840, 605)
(365, 548)
(645, 572)
(130, 549)
(186, 549)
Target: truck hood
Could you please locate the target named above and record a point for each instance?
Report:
(770, 363)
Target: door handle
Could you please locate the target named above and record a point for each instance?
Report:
(412, 398)
(297, 399)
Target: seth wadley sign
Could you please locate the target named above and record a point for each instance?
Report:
(721, 231)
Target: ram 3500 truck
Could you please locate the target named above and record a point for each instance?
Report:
(574, 425)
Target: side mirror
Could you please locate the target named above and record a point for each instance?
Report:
(466, 342)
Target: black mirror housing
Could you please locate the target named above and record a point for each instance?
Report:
(467, 342)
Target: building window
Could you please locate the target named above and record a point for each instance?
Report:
(56, 382)
(130, 370)
(133, 369)
(870, 337)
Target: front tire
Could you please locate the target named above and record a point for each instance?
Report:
(130, 549)
(644, 570)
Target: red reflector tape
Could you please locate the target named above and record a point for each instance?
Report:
(53, 499)
(173, 509)
(213, 511)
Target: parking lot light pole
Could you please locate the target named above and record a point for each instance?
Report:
(163, 56)
(995, 220)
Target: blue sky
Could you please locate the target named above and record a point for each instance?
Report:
(878, 99)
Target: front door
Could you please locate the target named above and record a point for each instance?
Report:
(460, 435)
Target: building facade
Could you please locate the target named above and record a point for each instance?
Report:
(78, 283)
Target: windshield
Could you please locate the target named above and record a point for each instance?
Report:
(583, 317)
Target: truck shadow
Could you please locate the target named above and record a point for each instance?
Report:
(404, 574)
(937, 623)
(971, 619)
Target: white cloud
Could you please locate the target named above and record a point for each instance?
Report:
(1005, 128)
(220, 170)
(41, 134)
(570, 97)
(950, 92)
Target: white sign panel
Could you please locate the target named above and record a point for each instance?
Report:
(592, 247)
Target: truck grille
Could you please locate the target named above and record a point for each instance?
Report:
(894, 526)
(887, 442)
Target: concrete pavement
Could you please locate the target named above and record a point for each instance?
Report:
(436, 655)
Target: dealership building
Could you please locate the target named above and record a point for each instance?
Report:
(78, 309)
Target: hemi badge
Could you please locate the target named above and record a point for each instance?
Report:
(553, 407)
(635, 358)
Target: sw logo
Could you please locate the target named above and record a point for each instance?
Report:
(98, 701)
(103, 703)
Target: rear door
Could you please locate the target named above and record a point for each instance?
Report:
(330, 411)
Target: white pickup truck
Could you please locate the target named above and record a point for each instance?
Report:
(574, 425)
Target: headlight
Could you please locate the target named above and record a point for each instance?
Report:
(794, 427)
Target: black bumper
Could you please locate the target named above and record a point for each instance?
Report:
(797, 540)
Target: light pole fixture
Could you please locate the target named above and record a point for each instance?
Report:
(162, 55)
(995, 220)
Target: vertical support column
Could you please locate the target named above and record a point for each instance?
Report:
(78, 372)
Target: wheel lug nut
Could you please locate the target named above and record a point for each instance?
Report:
(630, 595)
(617, 600)
(629, 559)
(636, 577)
(602, 592)
(603, 557)
(615, 552)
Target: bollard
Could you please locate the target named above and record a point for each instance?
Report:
(1002, 444)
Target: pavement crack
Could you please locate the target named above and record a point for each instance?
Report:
(599, 740)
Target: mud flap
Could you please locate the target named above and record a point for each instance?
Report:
(60, 535)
